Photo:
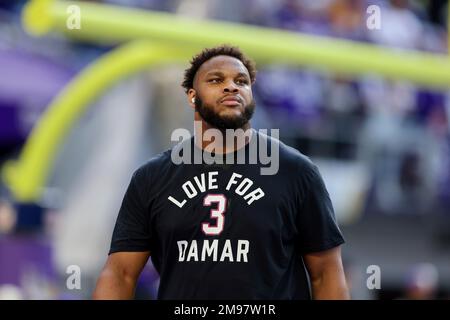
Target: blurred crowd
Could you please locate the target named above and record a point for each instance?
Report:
(397, 131)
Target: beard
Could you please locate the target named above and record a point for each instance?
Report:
(224, 122)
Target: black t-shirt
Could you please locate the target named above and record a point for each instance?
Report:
(224, 231)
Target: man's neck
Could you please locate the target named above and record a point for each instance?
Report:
(208, 142)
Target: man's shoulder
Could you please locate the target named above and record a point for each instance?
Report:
(160, 159)
(157, 163)
(290, 157)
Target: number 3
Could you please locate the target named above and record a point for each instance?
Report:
(217, 214)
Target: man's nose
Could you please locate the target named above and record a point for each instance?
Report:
(230, 86)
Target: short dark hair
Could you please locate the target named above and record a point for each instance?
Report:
(208, 53)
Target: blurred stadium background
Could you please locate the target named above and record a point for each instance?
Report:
(382, 145)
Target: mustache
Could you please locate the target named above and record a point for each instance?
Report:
(234, 96)
(215, 120)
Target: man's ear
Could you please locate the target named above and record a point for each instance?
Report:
(191, 97)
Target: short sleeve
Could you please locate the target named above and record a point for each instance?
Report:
(316, 221)
(132, 228)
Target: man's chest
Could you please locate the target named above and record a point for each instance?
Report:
(218, 202)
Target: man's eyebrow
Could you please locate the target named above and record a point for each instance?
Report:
(242, 74)
(214, 73)
(221, 74)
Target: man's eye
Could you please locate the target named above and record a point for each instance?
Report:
(242, 82)
(216, 80)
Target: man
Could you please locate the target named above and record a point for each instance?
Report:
(224, 230)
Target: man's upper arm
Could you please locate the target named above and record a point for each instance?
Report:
(132, 231)
(317, 226)
(324, 262)
(327, 274)
(128, 264)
